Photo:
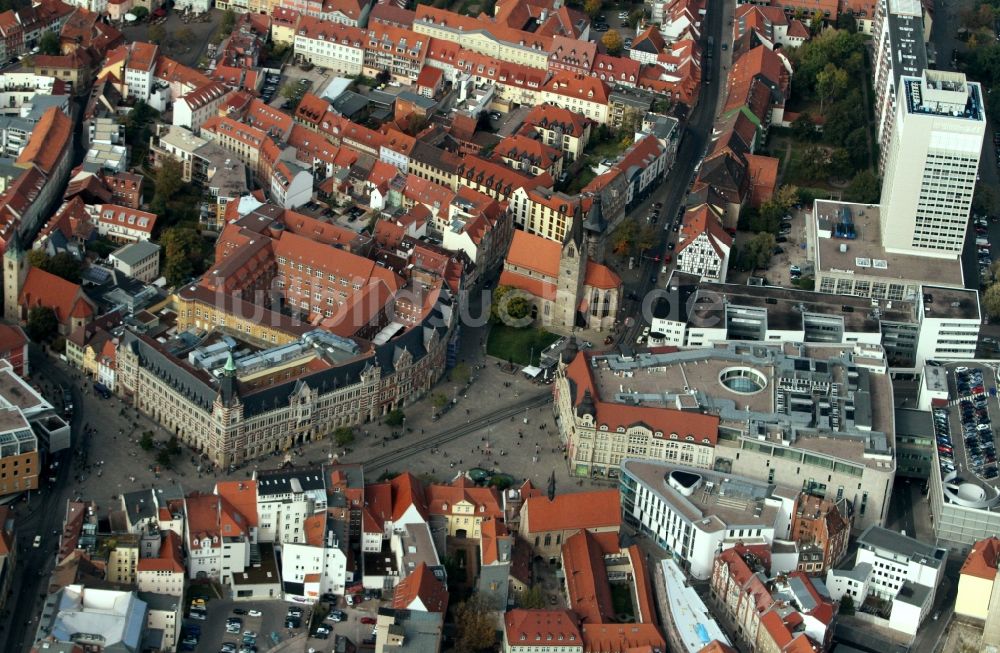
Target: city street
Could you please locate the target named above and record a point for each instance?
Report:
(672, 193)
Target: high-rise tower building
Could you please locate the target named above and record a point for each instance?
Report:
(931, 164)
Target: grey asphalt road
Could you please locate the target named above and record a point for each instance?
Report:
(694, 141)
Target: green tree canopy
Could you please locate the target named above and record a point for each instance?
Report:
(864, 188)
(184, 254)
(61, 264)
(42, 323)
(759, 249)
(991, 300)
(395, 417)
(49, 44)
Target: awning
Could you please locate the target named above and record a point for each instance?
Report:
(531, 371)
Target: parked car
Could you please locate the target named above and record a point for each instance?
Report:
(367, 620)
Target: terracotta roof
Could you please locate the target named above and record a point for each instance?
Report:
(587, 577)
(715, 646)
(390, 13)
(541, 628)
(601, 276)
(615, 69)
(242, 495)
(429, 76)
(11, 338)
(407, 491)
(443, 499)
(649, 40)
(644, 602)
(763, 171)
(598, 638)
(171, 558)
(213, 517)
(325, 30)
(534, 253)
(700, 220)
(581, 87)
(421, 585)
(492, 532)
(66, 298)
(549, 116)
(128, 218)
(519, 147)
(982, 560)
(48, 141)
(594, 509)
(142, 56)
(533, 286)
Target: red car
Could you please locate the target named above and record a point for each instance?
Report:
(367, 620)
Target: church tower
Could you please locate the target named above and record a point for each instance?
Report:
(594, 227)
(15, 269)
(572, 270)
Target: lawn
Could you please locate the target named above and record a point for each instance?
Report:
(621, 601)
(516, 345)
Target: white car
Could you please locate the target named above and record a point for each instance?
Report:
(254, 613)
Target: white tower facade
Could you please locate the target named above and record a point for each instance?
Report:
(930, 171)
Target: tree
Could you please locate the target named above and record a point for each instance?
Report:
(592, 7)
(803, 127)
(173, 446)
(164, 458)
(140, 13)
(759, 249)
(518, 307)
(983, 200)
(183, 254)
(864, 188)
(991, 301)
(786, 197)
(343, 436)
(647, 238)
(290, 91)
(62, 265)
(831, 82)
(856, 145)
(228, 21)
(623, 239)
(146, 442)
(839, 164)
(531, 598)
(42, 323)
(395, 417)
(169, 182)
(846, 21)
(439, 400)
(612, 42)
(475, 625)
(49, 44)
(156, 34)
(635, 17)
(846, 605)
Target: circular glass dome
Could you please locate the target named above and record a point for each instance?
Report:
(743, 380)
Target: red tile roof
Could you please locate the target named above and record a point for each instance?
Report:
(492, 532)
(171, 558)
(421, 591)
(242, 495)
(763, 171)
(407, 491)
(627, 638)
(581, 87)
(66, 298)
(548, 116)
(715, 646)
(535, 253)
(586, 577)
(601, 276)
(48, 141)
(11, 338)
(982, 560)
(701, 220)
(541, 628)
(594, 509)
(442, 499)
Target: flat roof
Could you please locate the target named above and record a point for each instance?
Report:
(136, 252)
(859, 414)
(786, 307)
(264, 573)
(905, 23)
(864, 255)
(876, 537)
(693, 622)
(721, 501)
(951, 303)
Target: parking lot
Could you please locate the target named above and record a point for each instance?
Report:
(968, 443)
(271, 621)
(790, 251)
